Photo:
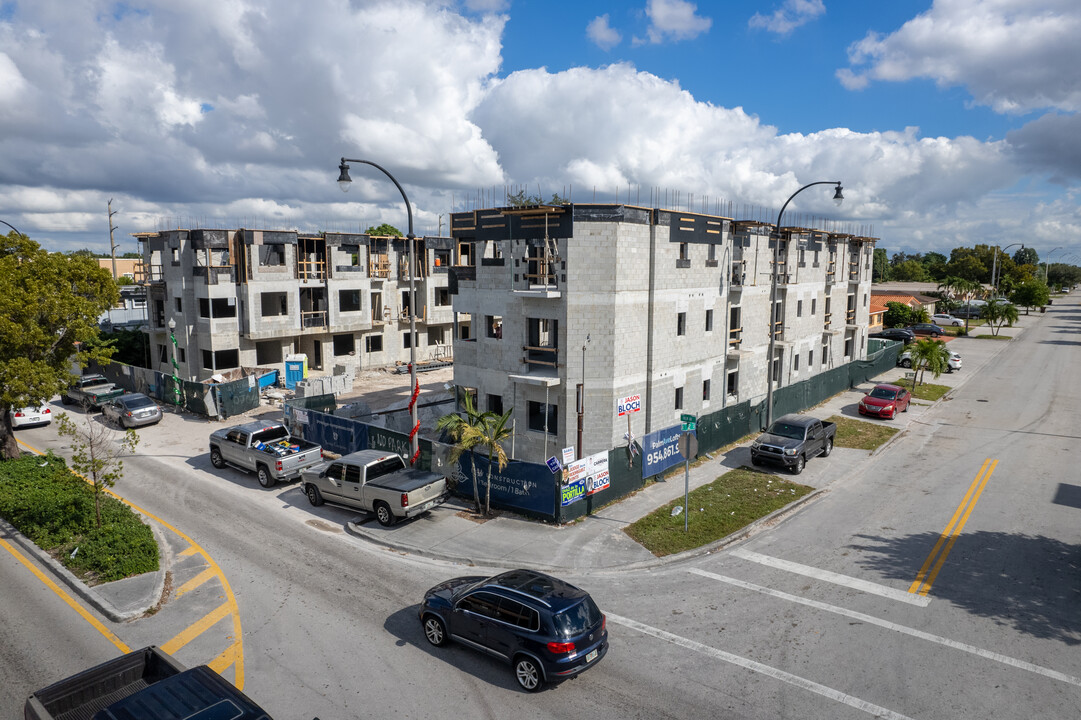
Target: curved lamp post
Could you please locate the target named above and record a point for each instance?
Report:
(994, 266)
(1047, 265)
(11, 226)
(344, 181)
(838, 197)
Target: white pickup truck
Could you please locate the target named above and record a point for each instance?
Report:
(267, 450)
(376, 482)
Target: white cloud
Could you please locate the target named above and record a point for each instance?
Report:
(1012, 55)
(602, 34)
(789, 16)
(674, 20)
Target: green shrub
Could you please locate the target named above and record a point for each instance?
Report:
(55, 509)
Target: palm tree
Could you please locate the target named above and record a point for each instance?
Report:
(998, 312)
(461, 431)
(930, 355)
(489, 435)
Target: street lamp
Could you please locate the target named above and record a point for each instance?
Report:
(11, 226)
(838, 198)
(1047, 265)
(344, 181)
(176, 365)
(994, 266)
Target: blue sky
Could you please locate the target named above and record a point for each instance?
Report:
(950, 122)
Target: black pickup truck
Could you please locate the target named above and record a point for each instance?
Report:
(145, 684)
(793, 439)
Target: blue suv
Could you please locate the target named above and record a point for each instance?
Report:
(547, 629)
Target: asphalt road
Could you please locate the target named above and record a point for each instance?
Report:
(811, 619)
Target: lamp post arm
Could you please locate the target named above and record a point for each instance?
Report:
(11, 226)
(820, 182)
(380, 168)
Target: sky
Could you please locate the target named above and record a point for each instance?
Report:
(949, 122)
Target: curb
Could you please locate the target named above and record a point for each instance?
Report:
(91, 596)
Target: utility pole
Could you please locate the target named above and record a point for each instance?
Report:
(112, 245)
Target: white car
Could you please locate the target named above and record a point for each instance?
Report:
(947, 319)
(34, 415)
(954, 363)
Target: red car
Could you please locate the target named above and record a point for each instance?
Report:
(885, 401)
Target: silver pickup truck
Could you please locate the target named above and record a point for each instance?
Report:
(376, 482)
(267, 450)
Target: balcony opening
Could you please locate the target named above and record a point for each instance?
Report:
(543, 343)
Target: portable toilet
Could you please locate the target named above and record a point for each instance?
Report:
(296, 369)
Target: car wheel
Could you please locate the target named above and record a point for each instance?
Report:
(906, 408)
(949, 369)
(383, 514)
(435, 630)
(828, 448)
(528, 674)
(934, 334)
(906, 363)
(216, 459)
(798, 467)
(755, 460)
(314, 497)
(65, 400)
(265, 478)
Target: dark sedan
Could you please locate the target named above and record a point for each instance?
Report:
(927, 329)
(547, 629)
(904, 335)
(885, 401)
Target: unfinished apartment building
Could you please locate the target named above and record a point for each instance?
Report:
(671, 306)
(251, 298)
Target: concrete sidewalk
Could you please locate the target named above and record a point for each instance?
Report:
(598, 543)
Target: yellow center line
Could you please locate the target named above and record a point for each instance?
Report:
(196, 581)
(238, 655)
(196, 629)
(924, 580)
(97, 624)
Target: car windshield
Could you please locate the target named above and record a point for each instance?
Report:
(794, 432)
(884, 394)
(138, 402)
(577, 619)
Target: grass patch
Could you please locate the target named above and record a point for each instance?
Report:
(732, 501)
(991, 337)
(860, 435)
(926, 391)
(53, 507)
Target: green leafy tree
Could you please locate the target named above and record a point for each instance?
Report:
(967, 264)
(997, 312)
(384, 230)
(1061, 274)
(909, 271)
(1026, 256)
(95, 453)
(880, 266)
(935, 264)
(1030, 294)
(928, 354)
(897, 315)
(489, 435)
(460, 428)
(49, 309)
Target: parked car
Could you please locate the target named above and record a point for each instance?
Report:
(793, 439)
(91, 391)
(904, 335)
(954, 363)
(927, 329)
(30, 416)
(132, 410)
(547, 629)
(970, 312)
(885, 401)
(945, 319)
(375, 482)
